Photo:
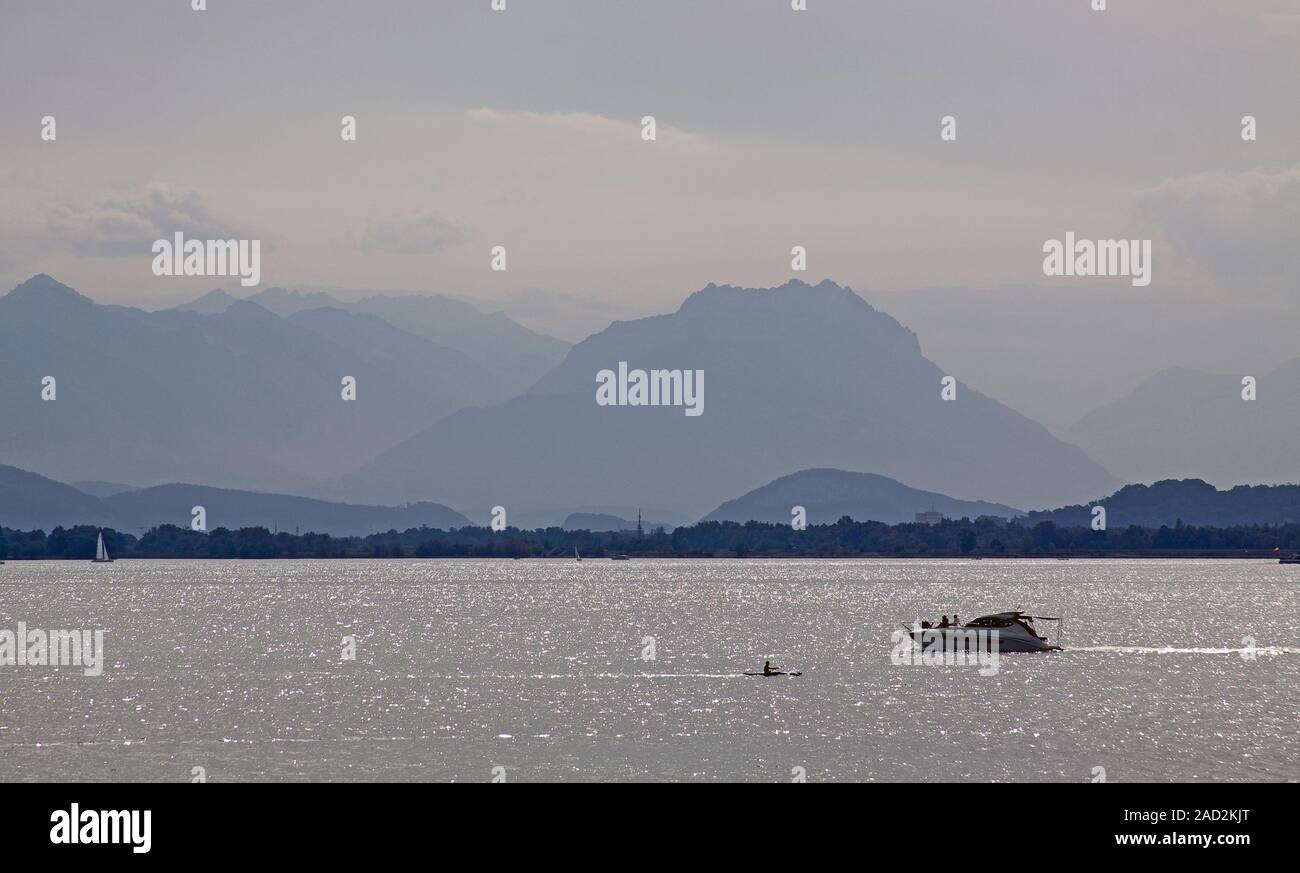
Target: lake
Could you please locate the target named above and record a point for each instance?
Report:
(1173, 670)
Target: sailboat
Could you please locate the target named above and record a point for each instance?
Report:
(101, 553)
(576, 556)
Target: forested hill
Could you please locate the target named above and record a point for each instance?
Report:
(1189, 501)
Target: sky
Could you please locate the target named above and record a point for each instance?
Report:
(775, 128)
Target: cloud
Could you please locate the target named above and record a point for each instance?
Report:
(1242, 228)
(599, 129)
(417, 234)
(119, 228)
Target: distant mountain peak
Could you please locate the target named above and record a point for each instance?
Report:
(216, 300)
(823, 285)
(794, 290)
(249, 310)
(800, 376)
(44, 287)
(283, 301)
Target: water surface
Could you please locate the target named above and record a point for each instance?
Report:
(1174, 670)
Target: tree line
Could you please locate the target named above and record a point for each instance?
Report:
(845, 538)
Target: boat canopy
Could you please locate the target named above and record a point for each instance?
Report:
(998, 619)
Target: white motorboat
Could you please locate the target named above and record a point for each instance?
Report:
(1016, 632)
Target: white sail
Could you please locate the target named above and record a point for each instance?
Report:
(101, 553)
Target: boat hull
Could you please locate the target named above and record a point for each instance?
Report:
(957, 638)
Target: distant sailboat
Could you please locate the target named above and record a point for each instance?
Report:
(101, 553)
(576, 556)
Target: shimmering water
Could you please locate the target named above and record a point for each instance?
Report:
(536, 666)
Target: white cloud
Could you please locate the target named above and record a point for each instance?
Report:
(124, 227)
(1243, 228)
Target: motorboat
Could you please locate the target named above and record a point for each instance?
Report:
(1016, 632)
(1290, 559)
(620, 557)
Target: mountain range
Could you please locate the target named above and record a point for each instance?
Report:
(805, 388)
(511, 354)
(797, 376)
(30, 501)
(240, 397)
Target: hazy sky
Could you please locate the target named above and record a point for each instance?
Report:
(776, 128)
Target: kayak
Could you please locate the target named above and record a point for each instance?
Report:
(777, 673)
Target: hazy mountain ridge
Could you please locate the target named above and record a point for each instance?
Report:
(144, 508)
(796, 377)
(565, 316)
(514, 355)
(240, 398)
(101, 489)
(1183, 423)
(1058, 327)
(216, 300)
(30, 501)
(828, 495)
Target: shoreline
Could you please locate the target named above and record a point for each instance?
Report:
(845, 540)
(1185, 556)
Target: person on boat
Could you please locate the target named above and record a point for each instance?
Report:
(956, 622)
(767, 668)
(943, 622)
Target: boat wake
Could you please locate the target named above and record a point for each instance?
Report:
(668, 675)
(1198, 650)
